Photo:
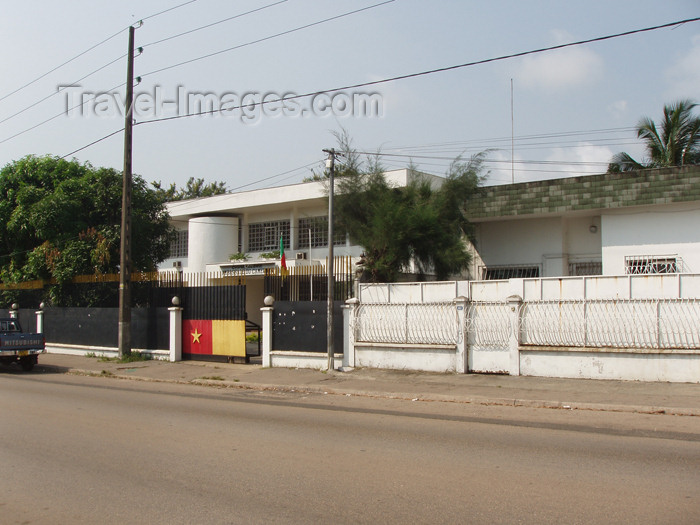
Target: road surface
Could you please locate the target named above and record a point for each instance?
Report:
(102, 450)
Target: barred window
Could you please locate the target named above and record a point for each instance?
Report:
(493, 273)
(178, 248)
(646, 264)
(577, 269)
(315, 230)
(265, 236)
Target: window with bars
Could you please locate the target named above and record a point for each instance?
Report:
(581, 268)
(265, 236)
(178, 248)
(493, 273)
(314, 230)
(647, 264)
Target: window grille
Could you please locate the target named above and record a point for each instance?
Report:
(577, 269)
(265, 236)
(648, 264)
(493, 273)
(317, 229)
(178, 248)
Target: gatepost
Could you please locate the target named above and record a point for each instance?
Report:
(349, 315)
(514, 306)
(462, 365)
(175, 330)
(267, 331)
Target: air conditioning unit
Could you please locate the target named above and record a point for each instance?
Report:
(301, 256)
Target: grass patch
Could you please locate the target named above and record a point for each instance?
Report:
(133, 357)
(213, 378)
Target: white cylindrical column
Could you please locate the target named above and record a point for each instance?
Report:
(175, 330)
(267, 312)
(211, 240)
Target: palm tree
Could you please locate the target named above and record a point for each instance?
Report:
(677, 144)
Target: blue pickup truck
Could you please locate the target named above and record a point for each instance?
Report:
(19, 346)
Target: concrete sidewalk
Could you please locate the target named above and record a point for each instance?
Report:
(583, 394)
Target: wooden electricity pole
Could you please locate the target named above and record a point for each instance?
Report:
(330, 164)
(125, 257)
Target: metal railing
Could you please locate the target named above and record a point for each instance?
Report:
(488, 324)
(657, 324)
(426, 323)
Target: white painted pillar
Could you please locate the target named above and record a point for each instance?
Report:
(461, 364)
(349, 312)
(267, 313)
(514, 306)
(40, 319)
(175, 330)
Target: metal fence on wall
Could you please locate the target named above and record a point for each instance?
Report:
(310, 282)
(424, 323)
(631, 323)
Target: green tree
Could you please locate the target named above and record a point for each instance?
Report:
(676, 143)
(419, 224)
(194, 189)
(60, 218)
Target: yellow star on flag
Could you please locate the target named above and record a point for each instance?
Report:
(195, 336)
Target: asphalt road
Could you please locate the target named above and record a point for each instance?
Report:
(100, 450)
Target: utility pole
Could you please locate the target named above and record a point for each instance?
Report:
(125, 258)
(330, 165)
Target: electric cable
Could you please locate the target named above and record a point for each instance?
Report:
(409, 75)
(67, 110)
(62, 88)
(90, 49)
(270, 37)
(212, 24)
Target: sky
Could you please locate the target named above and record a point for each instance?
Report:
(546, 115)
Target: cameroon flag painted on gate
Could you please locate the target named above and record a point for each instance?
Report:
(213, 337)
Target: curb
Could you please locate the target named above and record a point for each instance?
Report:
(474, 400)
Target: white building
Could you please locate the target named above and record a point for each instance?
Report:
(611, 224)
(211, 230)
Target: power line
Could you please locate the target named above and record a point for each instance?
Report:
(182, 63)
(410, 75)
(62, 88)
(55, 116)
(270, 37)
(88, 50)
(92, 143)
(213, 24)
(167, 10)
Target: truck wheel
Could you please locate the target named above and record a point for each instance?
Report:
(27, 363)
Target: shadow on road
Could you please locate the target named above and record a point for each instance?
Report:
(39, 369)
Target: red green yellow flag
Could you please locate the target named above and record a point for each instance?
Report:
(283, 259)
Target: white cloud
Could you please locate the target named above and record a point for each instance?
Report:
(618, 109)
(684, 74)
(562, 68)
(584, 158)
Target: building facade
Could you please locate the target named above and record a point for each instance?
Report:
(610, 224)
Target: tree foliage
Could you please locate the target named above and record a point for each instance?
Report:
(60, 218)
(419, 228)
(676, 143)
(194, 189)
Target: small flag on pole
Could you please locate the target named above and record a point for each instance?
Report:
(283, 259)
